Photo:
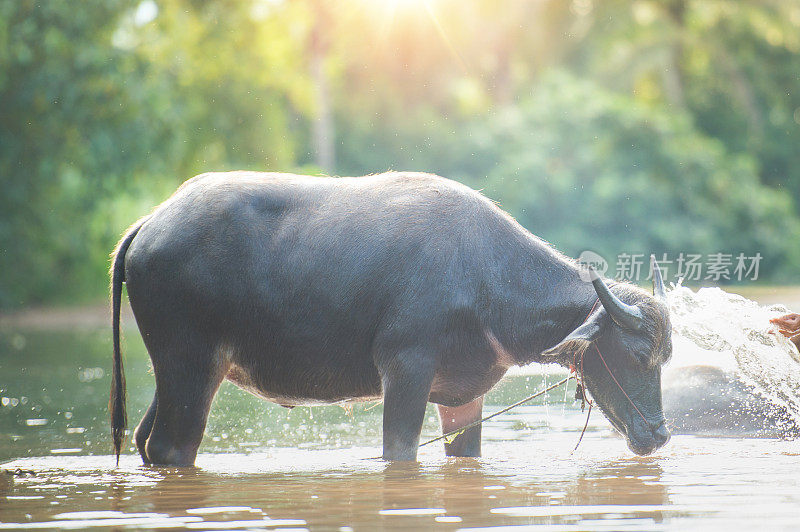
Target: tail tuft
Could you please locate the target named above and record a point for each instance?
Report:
(116, 401)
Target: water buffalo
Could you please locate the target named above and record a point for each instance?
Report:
(402, 286)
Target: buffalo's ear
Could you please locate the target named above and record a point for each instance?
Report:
(577, 341)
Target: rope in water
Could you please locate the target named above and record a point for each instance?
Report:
(458, 431)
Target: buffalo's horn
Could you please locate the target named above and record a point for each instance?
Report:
(658, 283)
(624, 315)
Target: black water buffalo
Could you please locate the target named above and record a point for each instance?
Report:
(402, 286)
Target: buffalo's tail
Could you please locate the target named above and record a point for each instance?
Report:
(116, 402)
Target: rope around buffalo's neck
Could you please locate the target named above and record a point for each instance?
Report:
(456, 432)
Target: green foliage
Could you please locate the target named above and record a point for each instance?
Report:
(94, 122)
(590, 169)
(70, 132)
(621, 126)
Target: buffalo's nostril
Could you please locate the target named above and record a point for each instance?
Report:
(661, 434)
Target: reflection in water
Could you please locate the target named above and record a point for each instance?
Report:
(634, 481)
(367, 495)
(599, 490)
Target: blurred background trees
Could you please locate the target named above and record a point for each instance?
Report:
(620, 126)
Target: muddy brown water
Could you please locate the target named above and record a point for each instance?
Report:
(265, 467)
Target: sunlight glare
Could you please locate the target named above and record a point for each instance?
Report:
(389, 11)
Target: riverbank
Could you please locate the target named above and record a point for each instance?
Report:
(84, 317)
(788, 296)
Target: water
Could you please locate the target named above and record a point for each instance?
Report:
(532, 479)
(750, 374)
(263, 466)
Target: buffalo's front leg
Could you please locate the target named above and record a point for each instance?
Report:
(468, 443)
(406, 386)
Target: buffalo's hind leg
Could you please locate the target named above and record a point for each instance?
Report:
(144, 428)
(468, 443)
(187, 378)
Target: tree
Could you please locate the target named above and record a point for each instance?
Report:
(73, 109)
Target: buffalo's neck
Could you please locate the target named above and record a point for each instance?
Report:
(540, 302)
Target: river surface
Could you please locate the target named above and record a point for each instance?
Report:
(263, 466)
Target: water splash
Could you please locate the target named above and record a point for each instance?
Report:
(733, 363)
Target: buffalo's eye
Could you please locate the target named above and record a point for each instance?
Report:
(643, 357)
